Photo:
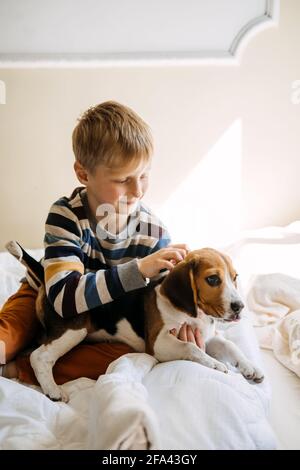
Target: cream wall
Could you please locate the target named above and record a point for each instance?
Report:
(190, 109)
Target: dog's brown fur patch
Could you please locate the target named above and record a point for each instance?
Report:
(153, 321)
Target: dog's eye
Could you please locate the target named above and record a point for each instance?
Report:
(235, 278)
(213, 281)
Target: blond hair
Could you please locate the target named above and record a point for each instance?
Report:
(111, 134)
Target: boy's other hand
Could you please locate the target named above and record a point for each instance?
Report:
(184, 246)
(187, 334)
(166, 258)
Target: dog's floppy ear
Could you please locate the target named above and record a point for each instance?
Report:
(180, 288)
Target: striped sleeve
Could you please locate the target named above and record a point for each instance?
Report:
(151, 226)
(164, 239)
(162, 243)
(69, 289)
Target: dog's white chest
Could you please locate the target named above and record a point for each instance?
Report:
(173, 318)
(206, 325)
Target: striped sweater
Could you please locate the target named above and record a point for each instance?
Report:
(86, 267)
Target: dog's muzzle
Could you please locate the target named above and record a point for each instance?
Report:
(236, 308)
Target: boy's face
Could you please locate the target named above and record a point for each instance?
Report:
(120, 187)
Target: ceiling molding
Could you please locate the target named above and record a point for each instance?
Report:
(231, 56)
(252, 28)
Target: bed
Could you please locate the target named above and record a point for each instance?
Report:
(268, 261)
(139, 404)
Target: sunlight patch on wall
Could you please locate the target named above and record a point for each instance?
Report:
(205, 209)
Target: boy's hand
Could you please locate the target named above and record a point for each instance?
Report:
(187, 334)
(184, 246)
(166, 258)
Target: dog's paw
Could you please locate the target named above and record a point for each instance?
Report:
(258, 375)
(220, 366)
(57, 394)
(250, 372)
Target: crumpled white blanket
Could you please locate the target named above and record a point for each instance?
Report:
(275, 302)
(122, 418)
(139, 404)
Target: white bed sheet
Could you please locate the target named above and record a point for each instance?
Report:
(175, 405)
(264, 251)
(186, 406)
(285, 402)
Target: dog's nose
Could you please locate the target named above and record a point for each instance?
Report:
(237, 306)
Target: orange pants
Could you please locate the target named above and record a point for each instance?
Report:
(18, 328)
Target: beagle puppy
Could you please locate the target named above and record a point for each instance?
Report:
(200, 291)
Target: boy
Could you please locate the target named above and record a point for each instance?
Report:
(102, 241)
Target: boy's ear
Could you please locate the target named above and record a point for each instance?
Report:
(81, 173)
